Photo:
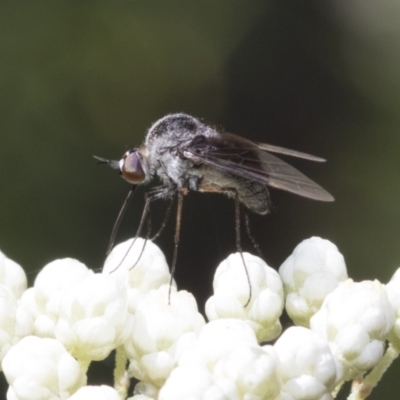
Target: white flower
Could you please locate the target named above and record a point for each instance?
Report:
(226, 362)
(142, 268)
(42, 301)
(15, 323)
(163, 328)
(197, 383)
(93, 317)
(307, 366)
(253, 369)
(141, 397)
(216, 340)
(102, 392)
(231, 293)
(393, 292)
(146, 389)
(355, 319)
(37, 369)
(313, 271)
(12, 275)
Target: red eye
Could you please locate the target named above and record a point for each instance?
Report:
(131, 168)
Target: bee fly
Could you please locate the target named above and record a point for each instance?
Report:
(188, 155)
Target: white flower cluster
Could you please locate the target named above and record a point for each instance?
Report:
(50, 333)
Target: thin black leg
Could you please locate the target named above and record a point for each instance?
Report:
(239, 246)
(152, 195)
(164, 224)
(119, 219)
(176, 241)
(250, 235)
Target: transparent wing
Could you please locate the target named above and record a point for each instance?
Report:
(288, 152)
(238, 156)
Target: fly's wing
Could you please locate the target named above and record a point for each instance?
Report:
(238, 156)
(288, 152)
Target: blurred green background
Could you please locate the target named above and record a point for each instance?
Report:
(84, 78)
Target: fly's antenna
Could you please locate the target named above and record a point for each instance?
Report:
(112, 163)
(119, 219)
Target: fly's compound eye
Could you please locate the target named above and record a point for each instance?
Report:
(131, 168)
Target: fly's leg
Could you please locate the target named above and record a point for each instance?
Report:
(176, 240)
(119, 219)
(145, 240)
(149, 229)
(238, 243)
(152, 195)
(250, 235)
(167, 214)
(214, 189)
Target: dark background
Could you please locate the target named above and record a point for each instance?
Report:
(78, 79)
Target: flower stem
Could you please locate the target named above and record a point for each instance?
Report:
(362, 388)
(121, 379)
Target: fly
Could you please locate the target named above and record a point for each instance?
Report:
(189, 155)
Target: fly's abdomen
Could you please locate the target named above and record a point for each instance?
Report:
(253, 195)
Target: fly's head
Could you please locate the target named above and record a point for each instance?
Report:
(133, 166)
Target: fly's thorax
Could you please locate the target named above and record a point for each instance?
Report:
(165, 143)
(171, 167)
(173, 130)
